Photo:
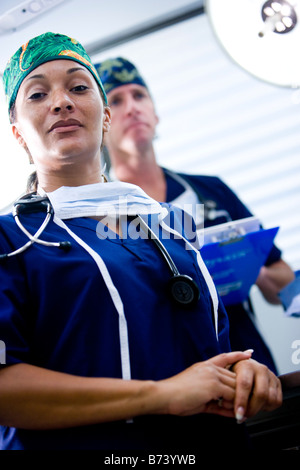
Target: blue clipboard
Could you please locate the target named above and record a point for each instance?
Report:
(234, 264)
(290, 297)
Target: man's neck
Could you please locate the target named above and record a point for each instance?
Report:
(142, 170)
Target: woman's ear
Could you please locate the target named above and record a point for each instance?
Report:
(18, 136)
(106, 119)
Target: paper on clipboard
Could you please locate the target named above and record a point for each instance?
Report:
(234, 253)
(231, 229)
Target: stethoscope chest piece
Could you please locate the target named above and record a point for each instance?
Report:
(183, 290)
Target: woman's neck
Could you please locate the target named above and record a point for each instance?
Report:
(51, 181)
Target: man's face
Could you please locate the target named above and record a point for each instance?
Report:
(133, 118)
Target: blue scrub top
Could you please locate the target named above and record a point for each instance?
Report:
(56, 312)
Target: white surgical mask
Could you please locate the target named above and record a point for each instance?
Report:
(102, 199)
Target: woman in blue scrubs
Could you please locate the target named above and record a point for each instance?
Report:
(99, 355)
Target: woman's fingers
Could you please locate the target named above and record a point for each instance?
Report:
(228, 359)
(257, 388)
(211, 386)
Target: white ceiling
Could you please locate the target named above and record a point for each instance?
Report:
(87, 20)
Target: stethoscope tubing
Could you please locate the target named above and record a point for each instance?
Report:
(182, 288)
(210, 210)
(35, 238)
(32, 238)
(160, 246)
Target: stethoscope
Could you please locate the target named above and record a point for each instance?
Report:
(27, 205)
(182, 289)
(211, 211)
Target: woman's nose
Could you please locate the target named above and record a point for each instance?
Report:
(62, 102)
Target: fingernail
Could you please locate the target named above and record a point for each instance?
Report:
(239, 415)
(250, 351)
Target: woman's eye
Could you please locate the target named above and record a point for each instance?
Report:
(36, 96)
(80, 88)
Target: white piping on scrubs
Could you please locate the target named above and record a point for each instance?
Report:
(115, 296)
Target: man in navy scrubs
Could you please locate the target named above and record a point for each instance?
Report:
(132, 155)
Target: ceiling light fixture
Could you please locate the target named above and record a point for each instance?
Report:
(25, 12)
(261, 36)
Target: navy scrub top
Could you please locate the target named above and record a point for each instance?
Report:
(56, 313)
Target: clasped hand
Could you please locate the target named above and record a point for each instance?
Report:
(230, 384)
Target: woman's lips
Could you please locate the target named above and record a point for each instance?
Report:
(65, 126)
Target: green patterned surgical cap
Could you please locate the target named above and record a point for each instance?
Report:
(37, 51)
